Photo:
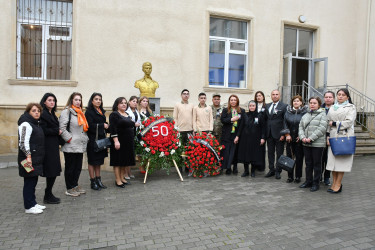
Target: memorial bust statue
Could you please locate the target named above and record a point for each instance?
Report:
(146, 85)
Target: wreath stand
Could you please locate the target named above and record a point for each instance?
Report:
(175, 164)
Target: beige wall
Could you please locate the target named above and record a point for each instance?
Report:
(112, 38)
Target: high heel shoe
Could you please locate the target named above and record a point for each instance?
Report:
(120, 186)
(127, 183)
(335, 192)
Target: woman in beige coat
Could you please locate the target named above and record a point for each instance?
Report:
(74, 126)
(344, 113)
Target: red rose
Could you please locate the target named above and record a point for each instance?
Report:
(153, 152)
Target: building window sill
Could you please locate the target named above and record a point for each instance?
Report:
(227, 90)
(27, 82)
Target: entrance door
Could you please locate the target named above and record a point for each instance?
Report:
(296, 71)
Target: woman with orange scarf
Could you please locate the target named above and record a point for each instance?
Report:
(74, 126)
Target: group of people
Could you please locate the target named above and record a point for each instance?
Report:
(41, 134)
(305, 129)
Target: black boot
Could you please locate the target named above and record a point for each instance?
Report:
(100, 183)
(94, 185)
(235, 169)
(253, 170)
(246, 172)
(49, 198)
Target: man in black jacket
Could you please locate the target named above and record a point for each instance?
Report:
(275, 112)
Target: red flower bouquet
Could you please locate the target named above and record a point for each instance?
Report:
(158, 143)
(203, 155)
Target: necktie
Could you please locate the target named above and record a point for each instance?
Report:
(273, 109)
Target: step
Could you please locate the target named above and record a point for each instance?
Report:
(366, 141)
(365, 150)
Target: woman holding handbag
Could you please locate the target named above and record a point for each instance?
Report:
(95, 115)
(312, 133)
(293, 115)
(341, 116)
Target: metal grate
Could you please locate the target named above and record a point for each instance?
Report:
(44, 39)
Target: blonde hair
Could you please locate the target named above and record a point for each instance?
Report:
(148, 104)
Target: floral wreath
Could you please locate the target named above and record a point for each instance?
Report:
(158, 143)
(203, 155)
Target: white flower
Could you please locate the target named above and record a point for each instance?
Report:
(161, 154)
(156, 115)
(147, 149)
(141, 127)
(172, 151)
(179, 143)
(141, 142)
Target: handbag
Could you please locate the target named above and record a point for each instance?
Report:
(286, 163)
(101, 144)
(61, 140)
(342, 145)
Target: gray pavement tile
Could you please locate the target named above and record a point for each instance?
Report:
(224, 212)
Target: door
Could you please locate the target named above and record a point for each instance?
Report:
(287, 77)
(318, 73)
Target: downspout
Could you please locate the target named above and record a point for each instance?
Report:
(369, 3)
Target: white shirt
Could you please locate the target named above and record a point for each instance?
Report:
(269, 110)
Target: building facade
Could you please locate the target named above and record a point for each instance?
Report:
(230, 47)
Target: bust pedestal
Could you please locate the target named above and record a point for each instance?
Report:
(154, 103)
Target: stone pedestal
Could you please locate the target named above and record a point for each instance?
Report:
(154, 104)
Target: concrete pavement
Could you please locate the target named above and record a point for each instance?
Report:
(223, 212)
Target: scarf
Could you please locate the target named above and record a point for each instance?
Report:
(81, 118)
(338, 105)
(234, 126)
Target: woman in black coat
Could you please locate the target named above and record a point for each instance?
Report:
(52, 164)
(251, 140)
(31, 155)
(231, 119)
(95, 115)
(294, 148)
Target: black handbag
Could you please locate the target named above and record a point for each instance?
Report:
(342, 145)
(286, 163)
(101, 144)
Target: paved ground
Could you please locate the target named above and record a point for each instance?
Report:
(224, 212)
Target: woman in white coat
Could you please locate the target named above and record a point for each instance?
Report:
(342, 112)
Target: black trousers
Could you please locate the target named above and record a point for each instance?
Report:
(73, 167)
(295, 149)
(184, 137)
(272, 146)
(313, 160)
(29, 184)
(325, 173)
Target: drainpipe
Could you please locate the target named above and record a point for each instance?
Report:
(369, 3)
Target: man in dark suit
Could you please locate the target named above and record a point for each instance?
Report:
(275, 112)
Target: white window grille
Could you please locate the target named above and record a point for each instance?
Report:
(228, 55)
(44, 39)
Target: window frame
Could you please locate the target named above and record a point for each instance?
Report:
(45, 37)
(227, 53)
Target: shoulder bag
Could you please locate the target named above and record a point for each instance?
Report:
(61, 140)
(101, 144)
(286, 163)
(342, 145)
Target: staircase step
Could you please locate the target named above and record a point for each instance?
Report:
(365, 150)
(366, 141)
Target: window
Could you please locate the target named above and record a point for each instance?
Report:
(44, 39)
(298, 42)
(228, 53)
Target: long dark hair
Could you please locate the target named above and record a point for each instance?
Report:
(346, 92)
(43, 100)
(117, 101)
(91, 106)
(264, 98)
